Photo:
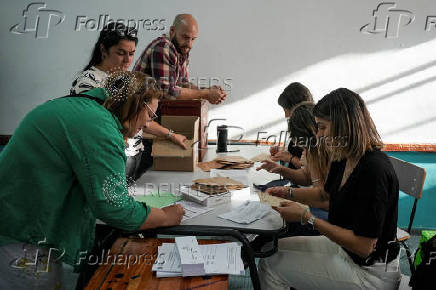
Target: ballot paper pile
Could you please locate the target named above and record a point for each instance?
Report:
(203, 199)
(216, 185)
(226, 162)
(187, 258)
(248, 212)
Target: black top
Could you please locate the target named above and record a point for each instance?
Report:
(367, 204)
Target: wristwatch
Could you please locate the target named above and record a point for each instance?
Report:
(170, 133)
(311, 221)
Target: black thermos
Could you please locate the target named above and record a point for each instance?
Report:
(222, 138)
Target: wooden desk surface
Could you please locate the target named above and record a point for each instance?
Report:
(128, 266)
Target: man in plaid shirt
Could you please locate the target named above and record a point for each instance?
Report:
(166, 59)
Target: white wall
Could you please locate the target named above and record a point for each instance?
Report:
(260, 45)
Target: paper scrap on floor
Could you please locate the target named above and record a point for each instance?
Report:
(248, 212)
(222, 258)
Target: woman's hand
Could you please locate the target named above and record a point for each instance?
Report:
(279, 191)
(290, 211)
(270, 166)
(296, 161)
(179, 140)
(274, 150)
(174, 214)
(283, 155)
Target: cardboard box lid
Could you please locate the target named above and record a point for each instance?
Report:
(185, 125)
(166, 148)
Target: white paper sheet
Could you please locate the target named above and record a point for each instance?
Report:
(247, 213)
(218, 259)
(168, 259)
(190, 256)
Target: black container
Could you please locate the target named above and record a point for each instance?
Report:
(222, 139)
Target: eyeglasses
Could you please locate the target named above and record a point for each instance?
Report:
(152, 118)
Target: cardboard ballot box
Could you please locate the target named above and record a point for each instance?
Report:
(197, 108)
(172, 157)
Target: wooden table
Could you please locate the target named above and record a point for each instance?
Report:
(128, 266)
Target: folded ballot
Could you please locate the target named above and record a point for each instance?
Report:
(184, 258)
(248, 212)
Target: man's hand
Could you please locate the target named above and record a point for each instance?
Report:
(279, 191)
(174, 214)
(216, 95)
(290, 211)
(283, 155)
(179, 140)
(270, 166)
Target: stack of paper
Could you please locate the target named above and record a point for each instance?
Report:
(191, 258)
(226, 162)
(203, 199)
(216, 185)
(247, 213)
(234, 162)
(187, 258)
(239, 175)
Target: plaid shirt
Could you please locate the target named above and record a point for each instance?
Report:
(161, 60)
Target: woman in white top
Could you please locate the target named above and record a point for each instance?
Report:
(114, 50)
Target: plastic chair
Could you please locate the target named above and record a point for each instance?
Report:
(411, 181)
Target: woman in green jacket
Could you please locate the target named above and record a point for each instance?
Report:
(64, 168)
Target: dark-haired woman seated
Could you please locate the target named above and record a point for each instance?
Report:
(357, 249)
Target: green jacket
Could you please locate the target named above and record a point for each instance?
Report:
(63, 168)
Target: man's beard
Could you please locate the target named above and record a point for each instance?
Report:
(177, 45)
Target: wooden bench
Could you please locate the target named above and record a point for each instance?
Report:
(128, 266)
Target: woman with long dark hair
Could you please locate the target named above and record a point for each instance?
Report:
(357, 249)
(114, 51)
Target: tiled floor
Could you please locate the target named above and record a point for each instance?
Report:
(244, 282)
